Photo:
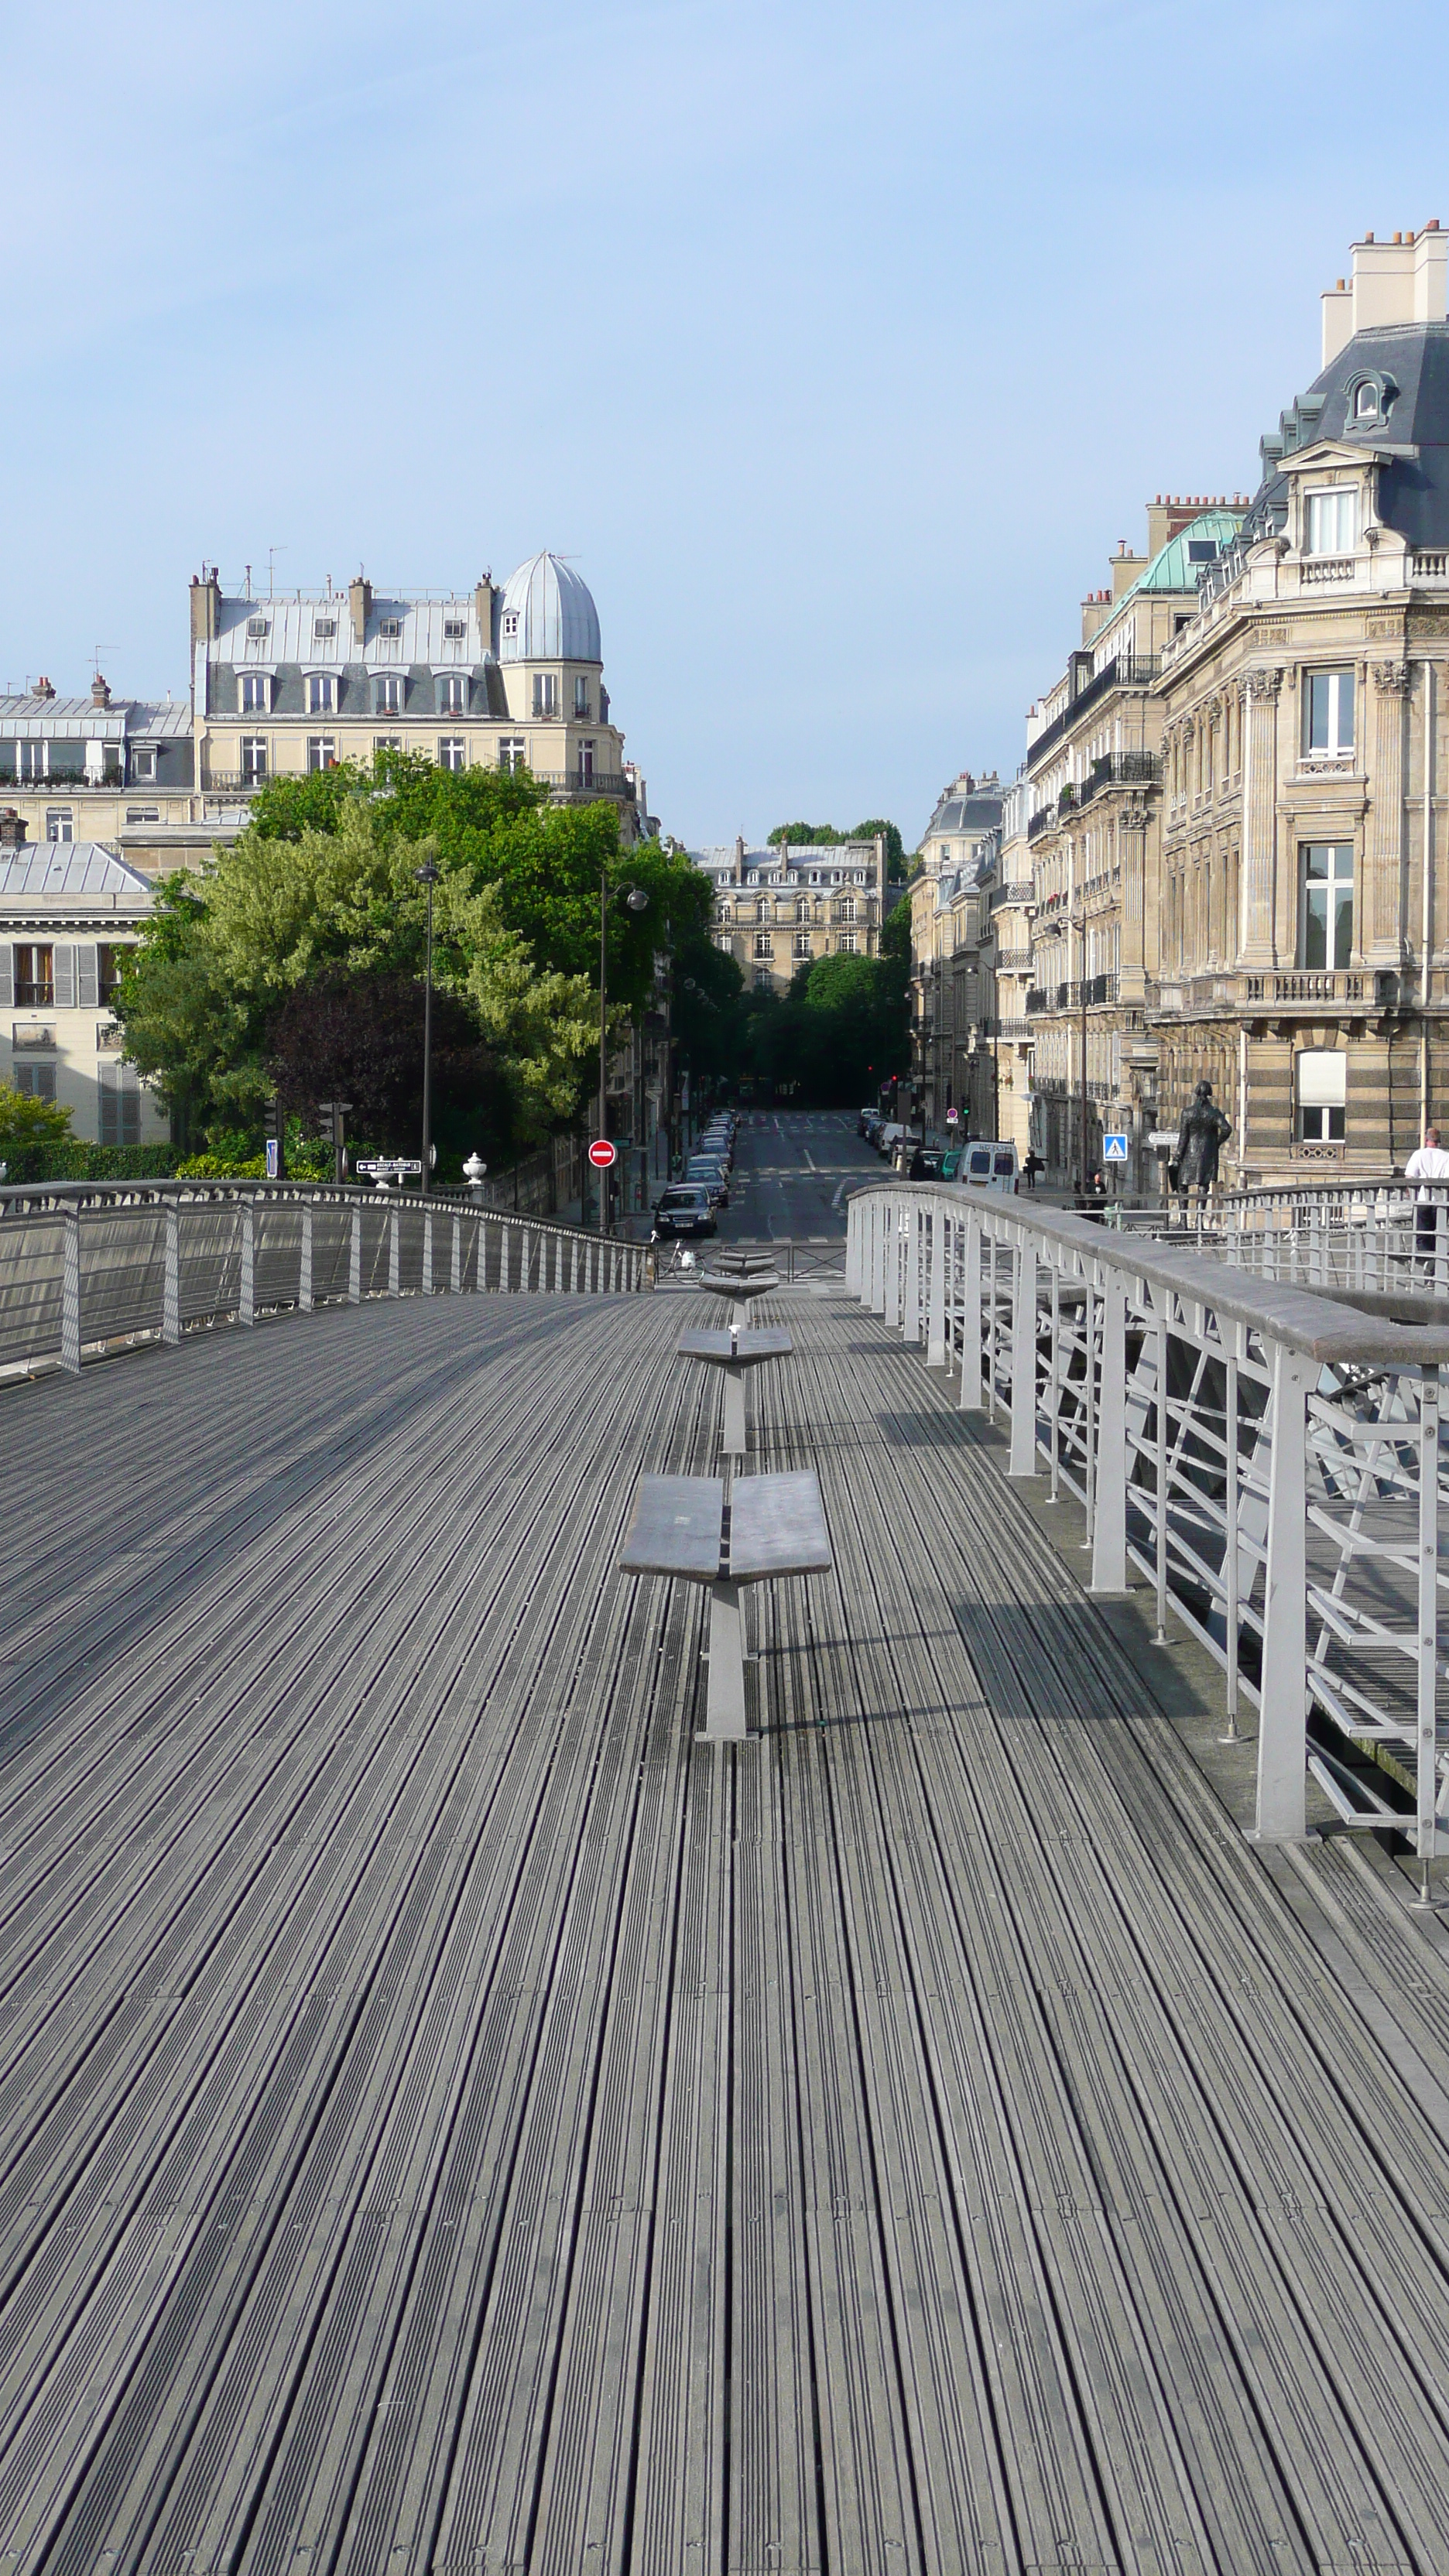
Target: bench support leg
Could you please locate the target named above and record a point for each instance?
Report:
(733, 1439)
(724, 1721)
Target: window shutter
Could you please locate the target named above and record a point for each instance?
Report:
(7, 976)
(110, 1123)
(87, 979)
(64, 973)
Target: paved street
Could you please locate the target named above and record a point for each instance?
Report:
(792, 1173)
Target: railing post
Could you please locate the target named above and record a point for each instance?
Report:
(1281, 1815)
(525, 1260)
(1109, 1485)
(1022, 1460)
(883, 1220)
(70, 1292)
(354, 1256)
(1428, 1761)
(893, 1263)
(171, 1292)
(574, 1267)
(304, 1267)
(936, 1355)
(246, 1295)
(852, 1253)
(394, 1249)
(911, 1320)
(456, 1278)
(971, 1317)
(427, 1252)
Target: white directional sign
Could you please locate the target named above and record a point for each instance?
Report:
(1114, 1149)
(1163, 1140)
(388, 1167)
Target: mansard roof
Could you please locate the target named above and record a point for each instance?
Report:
(1410, 361)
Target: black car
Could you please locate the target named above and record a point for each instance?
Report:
(685, 1208)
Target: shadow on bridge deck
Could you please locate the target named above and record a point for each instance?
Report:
(453, 2120)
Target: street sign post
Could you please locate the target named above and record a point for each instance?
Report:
(953, 1117)
(602, 1153)
(1163, 1140)
(1114, 1149)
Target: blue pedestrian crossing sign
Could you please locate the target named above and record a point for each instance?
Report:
(1114, 1149)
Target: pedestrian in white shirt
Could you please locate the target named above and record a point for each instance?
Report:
(1429, 1164)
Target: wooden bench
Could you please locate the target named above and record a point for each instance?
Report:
(734, 1352)
(683, 1527)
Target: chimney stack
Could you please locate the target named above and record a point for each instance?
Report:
(100, 691)
(12, 828)
(484, 597)
(205, 605)
(43, 689)
(359, 600)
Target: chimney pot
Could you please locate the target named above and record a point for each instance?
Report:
(1368, 237)
(100, 691)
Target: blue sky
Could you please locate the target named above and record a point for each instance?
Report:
(837, 345)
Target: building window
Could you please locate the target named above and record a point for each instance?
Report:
(258, 627)
(1325, 911)
(253, 759)
(34, 978)
(59, 823)
(1322, 1084)
(1327, 714)
(510, 753)
(256, 693)
(846, 943)
(387, 694)
(1333, 521)
(385, 742)
(581, 696)
(143, 764)
(109, 960)
(35, 1081)
(847, 908)
(139, 814)
(321, 693)
(32, 759)
(120, 1104)
(510, 622)
(545, 693)
(452, 694)
(323, 629)
(763, 979)
(390, 629)
(802, 943)
(321, 751)
(764, 944)
(450, 751)
(455, 630)
(586, 764)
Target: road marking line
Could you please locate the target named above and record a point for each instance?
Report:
(835, 1202)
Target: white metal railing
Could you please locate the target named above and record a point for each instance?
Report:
(1267, 1459)
(86, 1267)
(1365, 1239)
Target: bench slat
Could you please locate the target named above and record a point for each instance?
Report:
(677, 1527)
(777, 1526)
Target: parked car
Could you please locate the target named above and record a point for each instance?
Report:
(684, 1209)
(888, 1136)
(710, 1143)
(925, 1163)
(865, 1120)
(988, 1167)
(703, 1169)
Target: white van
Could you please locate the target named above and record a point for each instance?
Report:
(988, 1167)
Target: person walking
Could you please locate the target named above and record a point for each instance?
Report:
(1429, 1166)
(1032, 1166)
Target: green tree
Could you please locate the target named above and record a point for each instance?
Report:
(814, 835)
(895, 847)
(26, 1122)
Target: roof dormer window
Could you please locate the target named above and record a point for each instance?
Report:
(323, 629)
(1332, 521)
(258, 627)
(455, 630)
(510, 622)
(390, 629)
(1370, 398)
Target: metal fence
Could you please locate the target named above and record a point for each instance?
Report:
(1268, 1459)
(85, 1267)
(1367, 1238)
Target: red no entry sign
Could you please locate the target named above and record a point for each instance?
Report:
(602, 1153)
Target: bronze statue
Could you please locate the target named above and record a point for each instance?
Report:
(1199, 1140)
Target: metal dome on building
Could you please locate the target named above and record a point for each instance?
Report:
(548, 615)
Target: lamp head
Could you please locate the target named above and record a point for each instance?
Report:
(636, 899)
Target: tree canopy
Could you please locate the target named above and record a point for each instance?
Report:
(825, 836)
(275, 945)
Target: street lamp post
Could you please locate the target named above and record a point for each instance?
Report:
(427, 875)
(636, 900)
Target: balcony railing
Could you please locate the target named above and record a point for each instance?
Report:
(1125, 671)
(1363, 987)
(1120, 769)
(1019, 891)
(1045, 821)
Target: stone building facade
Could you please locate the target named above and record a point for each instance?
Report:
(69, 909)
(505, 678)
(777, 909)
(1092, 777)
(1305, 892)
(950, 970)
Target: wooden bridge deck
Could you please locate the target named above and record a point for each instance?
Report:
(453, 2121)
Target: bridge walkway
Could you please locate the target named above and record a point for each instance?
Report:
(452, 2120)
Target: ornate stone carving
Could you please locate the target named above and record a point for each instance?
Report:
(1215, 711)
(1264, 684)
(1393, 679)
